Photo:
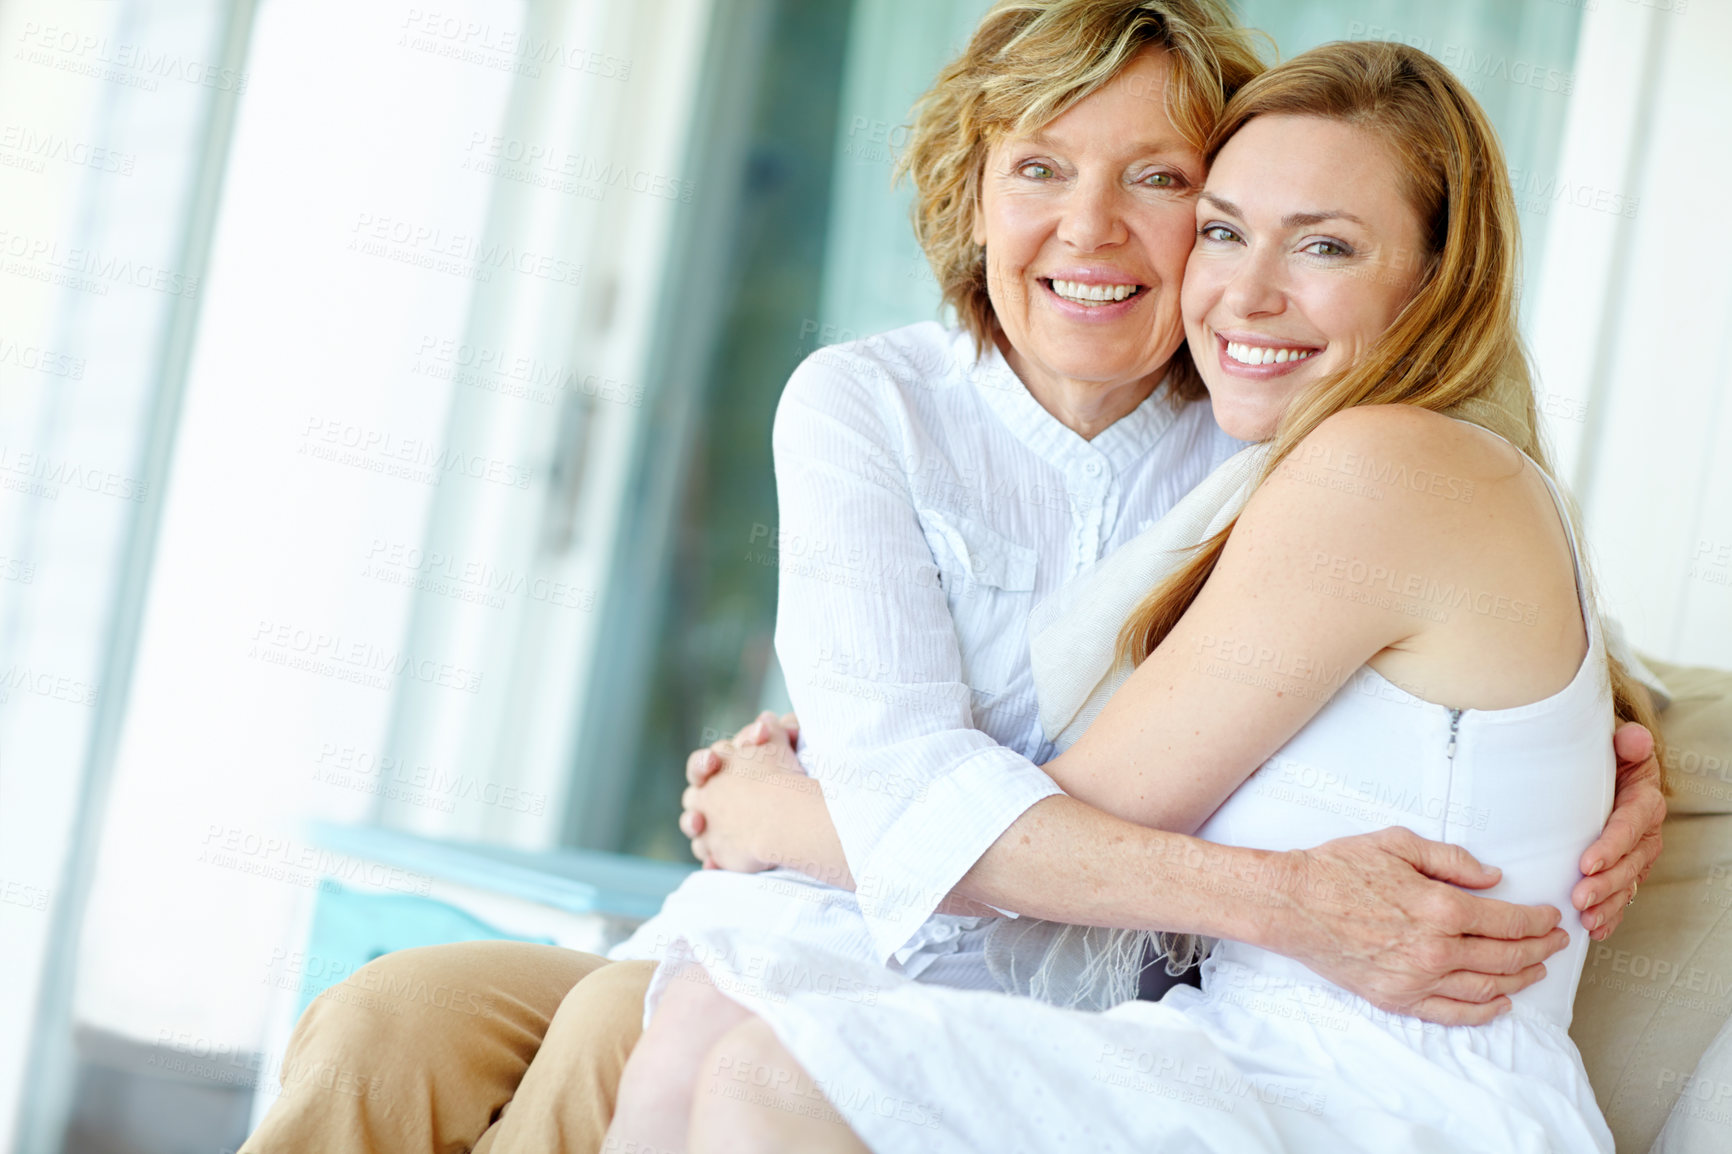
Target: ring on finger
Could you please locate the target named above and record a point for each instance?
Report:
(1634, 886)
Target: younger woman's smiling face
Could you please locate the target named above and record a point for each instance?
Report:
(1306, 251)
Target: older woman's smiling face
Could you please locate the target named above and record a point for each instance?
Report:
(1087, 225)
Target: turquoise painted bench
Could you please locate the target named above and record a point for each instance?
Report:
(351, 927)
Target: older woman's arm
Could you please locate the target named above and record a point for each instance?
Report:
(1337, 907)
(767, 812)
(1381, 913)
(866, 638)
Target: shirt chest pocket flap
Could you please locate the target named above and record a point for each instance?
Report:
(989, 582)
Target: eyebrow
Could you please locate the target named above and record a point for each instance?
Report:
(1141, 148)
(1292, 219)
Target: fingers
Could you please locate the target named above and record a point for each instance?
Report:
(1506, 921)
(1640, 810)
(1634, 745)
(1617, 839)
(692, 821)
(1604, 919)
(1440, 860)
(763, 728)
(785, 728)
(1623, 875)
(1448, 1012)
(1605, 897)
(1495, 956)
(767, 727)
(702, 765)
(1478, 988)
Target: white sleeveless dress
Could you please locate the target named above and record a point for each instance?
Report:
(1267, 1056)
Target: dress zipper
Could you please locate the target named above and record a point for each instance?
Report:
(1449, 777)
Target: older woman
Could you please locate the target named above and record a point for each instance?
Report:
(939, 481)
(1351, 290)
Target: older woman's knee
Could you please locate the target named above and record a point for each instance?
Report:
(601, 1020)
(388, 994)
(356, 1013)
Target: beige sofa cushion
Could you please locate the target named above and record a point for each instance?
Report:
(1656, 993)
(1698, 733)
(1701, 1122)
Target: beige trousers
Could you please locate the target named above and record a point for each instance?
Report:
(491, 1047)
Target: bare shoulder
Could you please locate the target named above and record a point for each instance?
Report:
(1410, 513)
(1410, 451)
(1384, 484)
(1406, 469)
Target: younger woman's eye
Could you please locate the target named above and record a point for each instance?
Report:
(1327, 248)
(1219, 233)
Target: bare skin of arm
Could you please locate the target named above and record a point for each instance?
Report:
(770, 813)
(1359, 910)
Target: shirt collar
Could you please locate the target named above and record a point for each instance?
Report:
(1120, 445)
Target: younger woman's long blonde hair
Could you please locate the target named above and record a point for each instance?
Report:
(1455, 347)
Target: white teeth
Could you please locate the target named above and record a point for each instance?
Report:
(1082, 293)
(1262, 355)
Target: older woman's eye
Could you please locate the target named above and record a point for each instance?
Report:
(1036, 170)
(1162, 180)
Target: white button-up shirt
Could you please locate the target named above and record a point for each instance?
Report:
(927, 502)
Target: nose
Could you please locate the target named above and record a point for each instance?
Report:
(1094, 216)
(1257, 286)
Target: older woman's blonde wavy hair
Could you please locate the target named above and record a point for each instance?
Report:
(1455, 347)
(1027, 63)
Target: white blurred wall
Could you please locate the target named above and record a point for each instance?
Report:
(1632, 330)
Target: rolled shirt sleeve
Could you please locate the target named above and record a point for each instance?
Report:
(870, 651)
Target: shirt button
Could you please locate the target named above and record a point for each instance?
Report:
(1092, 468)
